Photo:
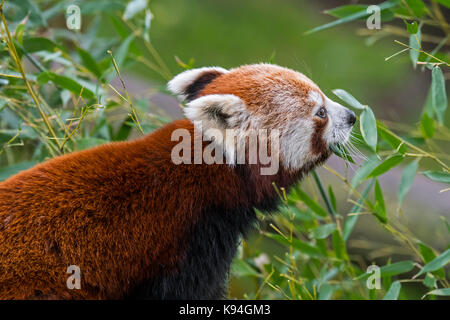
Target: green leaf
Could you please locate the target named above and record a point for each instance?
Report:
(332, 198)
(393, 291)
(426, 252)
(368, 126)
(396, 268)
(323, 231)
(297, 244)
(120, 57)
(311, 203)
(428, 106)
(342, 152)
(348, 98)
(86, 143)
(418, 7)
(380, 206)
(366, 168)
(242, 269)
(414, 43)
(124, 130)
(326, 291)
(346, 10)
(430, 281)
(8, 171)
(89, 62)
(439, 292)
(409, 172)
(386, 165)
(438, 94)
(411, 27)
(351, 220)
(439, 176)
(393, 141)
(437, 263)
(339, 246)
(100, 6)
(392, 269)
(428, 255)
(427, 126)
(133, 8)
(352, 17)
(35, 44)
(65, 82)
(445, 3)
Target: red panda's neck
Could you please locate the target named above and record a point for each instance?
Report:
(222, 184)
(220, 200)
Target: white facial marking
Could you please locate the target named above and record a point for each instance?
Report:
(295, 143)
(181, 82)
(338, 129)
(315, 97)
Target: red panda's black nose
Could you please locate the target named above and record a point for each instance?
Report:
(351, 118)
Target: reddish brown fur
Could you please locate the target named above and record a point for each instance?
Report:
(120, 212)
(318, 144)
(258, 85)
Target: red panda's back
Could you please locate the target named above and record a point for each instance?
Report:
(104, 210)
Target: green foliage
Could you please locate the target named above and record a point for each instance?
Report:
(301, 270)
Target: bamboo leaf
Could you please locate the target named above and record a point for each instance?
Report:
(437, 263)
(428, 255)
(352, 17)
(438, 93)
(66, 83)
(445, 3)
(439, 292)
(348, 98)
(386, 165)
(392, 269)
(242, 268)
(427, 126)
(351, 220)
(323, 231)
(438, 176)
(89, 62)
(311, 203)
(332, 198)
(368, 126)
(133, 8)
(380, 206)
(409, 172)
(393, 291)
(414, 43)
(297, 244)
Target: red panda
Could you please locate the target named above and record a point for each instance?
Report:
(139, 225)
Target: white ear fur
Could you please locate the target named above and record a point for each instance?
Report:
(182, 81)
(218, 111)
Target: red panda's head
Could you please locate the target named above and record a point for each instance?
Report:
(266, 96)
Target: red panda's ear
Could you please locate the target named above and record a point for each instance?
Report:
(218, 111)
(189, 83)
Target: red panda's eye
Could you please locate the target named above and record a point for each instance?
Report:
(322, 113)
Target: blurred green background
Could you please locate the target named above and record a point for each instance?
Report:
(231, 33)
